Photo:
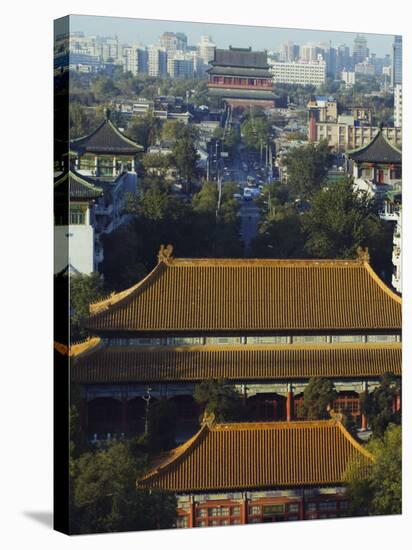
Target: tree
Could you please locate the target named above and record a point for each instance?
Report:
(377, 489)
(317, 398)
(378, 405)
(156, 164)
(218, 398)
(307, 167)
(144, 130)
(122, 248)
(280, 237)
(105, 498)
(162, 420)
(185, 159)
(84, 290)
(340, 221)
(256, 132)
(206, 199)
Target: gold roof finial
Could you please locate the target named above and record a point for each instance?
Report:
(165, 254)
(363, 254)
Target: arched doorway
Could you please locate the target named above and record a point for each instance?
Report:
(104, 416)
(267, 406)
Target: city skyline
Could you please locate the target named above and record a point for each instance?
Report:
(148, 31)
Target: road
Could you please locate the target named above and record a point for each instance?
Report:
(249, 212)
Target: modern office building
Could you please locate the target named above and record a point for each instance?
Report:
(299, 72)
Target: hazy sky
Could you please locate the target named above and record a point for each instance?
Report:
(147, 31)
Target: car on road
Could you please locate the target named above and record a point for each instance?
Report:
(247, 194)
(237, 196)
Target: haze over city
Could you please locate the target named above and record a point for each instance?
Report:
(148, 31)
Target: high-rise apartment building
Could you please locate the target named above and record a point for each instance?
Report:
(397, 102)
(397, 61)
(360, 49)
(206, 48)
(290, 51)
(135, 60)
(310, 52)
(343, 59)
(173, 42)
(157, 61)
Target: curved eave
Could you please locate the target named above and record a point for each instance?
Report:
(81, 142)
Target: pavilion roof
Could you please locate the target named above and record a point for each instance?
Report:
(250, 296)
(240, 57)
(100, 365)
(76, 187)
(224, 457)
(106, 139)
(377, 150)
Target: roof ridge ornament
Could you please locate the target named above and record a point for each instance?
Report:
(363, 254)
(335, 416)
(165, 254)
(208, 419)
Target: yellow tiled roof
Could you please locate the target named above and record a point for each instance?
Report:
(251, 295)
(240, 362)
(258, 455)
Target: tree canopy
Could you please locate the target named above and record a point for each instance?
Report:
(340, 220)
(104, 495)
(317, 398)
(84, 289)
(378, 406)
(307, 167)
(218, 398)
(377, 488)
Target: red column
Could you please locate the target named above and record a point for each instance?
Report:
(364, 420)
(243, 511)
(302, 508)
(398, 402)
(192, 515)
(289, 406)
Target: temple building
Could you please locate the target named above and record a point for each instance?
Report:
(377, 167)
(241, 78)
(106, 152)
(266, 326)
(86, 208)
(230, 474)
(76, 240)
